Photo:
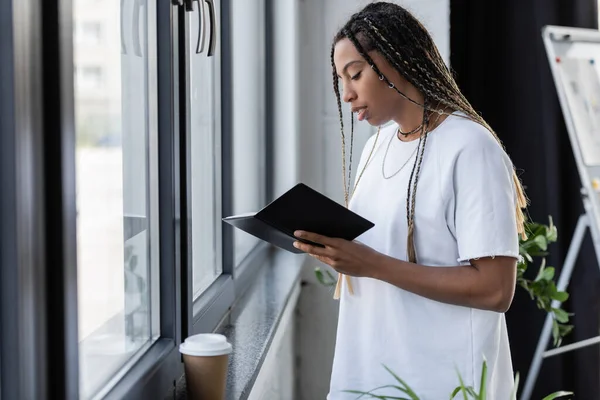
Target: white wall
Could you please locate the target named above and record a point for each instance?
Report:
(320, 163)
(276, 377)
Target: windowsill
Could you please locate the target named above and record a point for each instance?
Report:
(253, 321)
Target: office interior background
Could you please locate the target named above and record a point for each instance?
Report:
(129, 128)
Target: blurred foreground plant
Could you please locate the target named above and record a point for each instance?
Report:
(467, 392)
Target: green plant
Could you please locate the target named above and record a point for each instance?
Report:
(325, 278)
(542, 288)
(467, 392)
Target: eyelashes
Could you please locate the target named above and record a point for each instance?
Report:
(354, 77)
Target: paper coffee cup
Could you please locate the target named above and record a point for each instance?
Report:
(205, 358)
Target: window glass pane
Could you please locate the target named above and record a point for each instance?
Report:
(117, 189)
(249, 177)
(204, 152)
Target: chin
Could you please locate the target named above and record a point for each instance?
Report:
(377, 121)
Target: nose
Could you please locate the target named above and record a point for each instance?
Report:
(348, 93)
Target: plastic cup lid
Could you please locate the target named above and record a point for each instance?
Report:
(203, 336)
(205, 344)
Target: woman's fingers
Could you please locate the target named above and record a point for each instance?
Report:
(311, 249)
(314, 237)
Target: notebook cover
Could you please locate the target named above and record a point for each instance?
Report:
(254, 226)
(301, 208)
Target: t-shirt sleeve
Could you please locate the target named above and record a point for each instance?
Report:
(484, 201)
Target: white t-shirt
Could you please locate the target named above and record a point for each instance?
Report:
(465, 209)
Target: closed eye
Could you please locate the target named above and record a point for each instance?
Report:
(355, 77)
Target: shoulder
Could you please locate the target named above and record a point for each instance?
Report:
(459, 136)
(458, 132)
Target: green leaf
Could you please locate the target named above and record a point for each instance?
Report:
(524, 284)
(555, 332)
(534, 230)
(550, 288)
(541, 242)
(564, 330)
(513, 395)
(407, 388)
(552, 233)
(377, 396)
(561, 315)
(526, 255)
(321, 278)
(560, 296)
(462, 387)
(455, 392)
(483, 381)
(543, 303)
(371, 396)
(548, 273)
(540, 273)
(556, 395)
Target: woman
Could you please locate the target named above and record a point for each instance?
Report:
(431, 281)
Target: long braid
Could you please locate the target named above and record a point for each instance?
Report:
(347, 189)
(412, 192)
(428, 92)
(407, 46)
(347, 182)
(350, 158)
(339, 105)
(421, 79)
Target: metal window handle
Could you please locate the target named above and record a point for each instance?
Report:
(201, 28)
(123, 45)
(189, 5)
(213, 36)
(135, 27)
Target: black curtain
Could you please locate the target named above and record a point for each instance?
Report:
(501, 65)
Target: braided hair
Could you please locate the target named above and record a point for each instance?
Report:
(407, 46)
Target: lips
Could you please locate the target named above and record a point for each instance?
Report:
(361, 112)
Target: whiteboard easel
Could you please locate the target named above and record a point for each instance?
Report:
(574, 56)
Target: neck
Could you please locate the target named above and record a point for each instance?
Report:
(409, 115)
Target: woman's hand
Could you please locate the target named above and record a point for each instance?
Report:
(349, 258)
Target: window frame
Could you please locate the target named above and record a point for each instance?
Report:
(209, 309)
(38, 243)
(161, 364)
(22, 249)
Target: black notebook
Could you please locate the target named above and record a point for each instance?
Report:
(301, 208)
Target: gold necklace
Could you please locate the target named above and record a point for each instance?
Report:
(385, 156)
(347, 194)
(439, 114)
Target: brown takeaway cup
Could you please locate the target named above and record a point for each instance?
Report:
(205, 359)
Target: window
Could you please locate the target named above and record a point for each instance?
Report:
(105, 282)
(88, 33)
(249, 116)
(204, 137)
(246, 183)
(117, 197)
(89, 77)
